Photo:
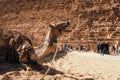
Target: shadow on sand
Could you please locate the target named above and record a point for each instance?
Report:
(7, 67)
(49, 57)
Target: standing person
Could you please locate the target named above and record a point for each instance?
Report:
(80, 47)
(64, 46)
(119, 49)
(113, 49)
(68, 47)
(88, 47)
(98, 46)
(77, 47)
(71, 47)
(106, 46)
(102, 48)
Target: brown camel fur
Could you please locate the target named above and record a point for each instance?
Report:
(15, 42)
(28, 53)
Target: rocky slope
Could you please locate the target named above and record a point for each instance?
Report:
(91, 17)
(91, 20)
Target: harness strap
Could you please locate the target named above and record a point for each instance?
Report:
(51, 64)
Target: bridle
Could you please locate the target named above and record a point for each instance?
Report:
(51, 40)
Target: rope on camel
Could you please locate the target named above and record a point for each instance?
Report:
(51, 63)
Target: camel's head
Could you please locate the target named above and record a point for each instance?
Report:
(22, 45)
(57, 29)
(24, 51)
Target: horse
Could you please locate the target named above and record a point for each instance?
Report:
(29, 54)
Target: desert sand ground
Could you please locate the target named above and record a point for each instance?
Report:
(73, 65)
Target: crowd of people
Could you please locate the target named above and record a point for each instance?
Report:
(105, 48)
(101, 48)
(69, 47)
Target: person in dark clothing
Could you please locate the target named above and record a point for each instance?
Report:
(98, 48)
(68, 47)
(81, 47)
(102, 49)
(106, 48)
(71, 47)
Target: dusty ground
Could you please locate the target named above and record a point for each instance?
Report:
(69, 66)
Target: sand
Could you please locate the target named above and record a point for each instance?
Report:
(73, 65)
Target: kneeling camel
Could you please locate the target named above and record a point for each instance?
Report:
(30, 54)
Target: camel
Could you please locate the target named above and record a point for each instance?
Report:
(15, 42)
(27, 53)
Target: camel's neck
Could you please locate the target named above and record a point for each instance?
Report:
(47, 38)
(44, 48)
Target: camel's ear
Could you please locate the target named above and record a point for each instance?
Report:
(52, 25)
